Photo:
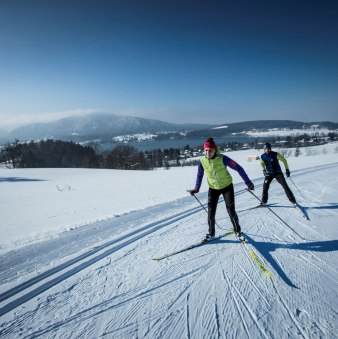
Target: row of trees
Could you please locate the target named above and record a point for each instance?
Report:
(62, 154)
(303, 140)
(57, 153)
(49, 153)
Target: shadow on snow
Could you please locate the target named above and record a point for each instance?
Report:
(17, 179)
(267, 248)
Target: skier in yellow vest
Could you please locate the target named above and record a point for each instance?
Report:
(215, 166)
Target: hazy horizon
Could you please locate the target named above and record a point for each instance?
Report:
(178, 61)
(12, 128)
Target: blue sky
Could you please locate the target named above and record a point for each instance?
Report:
(179, 61)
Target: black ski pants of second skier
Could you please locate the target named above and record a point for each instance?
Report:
(281, 179)
(229, 199)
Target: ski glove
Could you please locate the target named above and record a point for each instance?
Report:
(251, 186)
(264, 172)
(194, 191)
(287, 172)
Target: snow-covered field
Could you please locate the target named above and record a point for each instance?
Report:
(77, 248)
(277, 132)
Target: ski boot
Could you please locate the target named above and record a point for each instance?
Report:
(208, 237)
(240, 235)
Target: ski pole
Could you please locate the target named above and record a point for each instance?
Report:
(250, 191)
(297, 188)
(198, 200)
(203, 207)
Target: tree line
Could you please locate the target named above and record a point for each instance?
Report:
(64, 154)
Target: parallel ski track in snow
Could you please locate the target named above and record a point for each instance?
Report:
(33, 287)
(93, 256)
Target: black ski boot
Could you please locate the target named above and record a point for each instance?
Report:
(208, 237)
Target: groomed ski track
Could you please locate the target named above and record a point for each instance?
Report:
(100, 281)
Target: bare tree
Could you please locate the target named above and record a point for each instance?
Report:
(297, 152)
(124, 157)
(285, 152)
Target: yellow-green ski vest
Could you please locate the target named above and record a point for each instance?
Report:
(217, 173)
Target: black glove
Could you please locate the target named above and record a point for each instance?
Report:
(287, 172)
(264, 172)
(251, 186)
(194, 191)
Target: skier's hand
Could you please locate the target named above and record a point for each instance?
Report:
(264, 173)
(287, 172)
(194, 191)
(251, 186)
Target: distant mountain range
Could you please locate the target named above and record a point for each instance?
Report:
(97, 126)
(104, 127)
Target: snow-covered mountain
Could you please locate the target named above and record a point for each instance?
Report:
(104, 127)
(99, 125)
(77, 248)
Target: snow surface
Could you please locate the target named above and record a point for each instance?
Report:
(77, 248)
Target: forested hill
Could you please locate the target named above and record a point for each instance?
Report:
(261, 125)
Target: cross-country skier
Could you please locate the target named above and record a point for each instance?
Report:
(271, 169)
(215, 166)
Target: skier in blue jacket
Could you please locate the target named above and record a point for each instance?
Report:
(271, 168)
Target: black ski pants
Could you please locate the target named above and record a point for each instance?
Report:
(281, 179)
(229, 199)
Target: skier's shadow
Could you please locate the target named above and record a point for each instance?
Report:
(305, 209)
(329, 206)
(266, 249)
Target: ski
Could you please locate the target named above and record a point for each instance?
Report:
(260, 206)
(256, 259)
(201, 243)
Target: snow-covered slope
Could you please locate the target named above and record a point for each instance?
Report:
(99, 280)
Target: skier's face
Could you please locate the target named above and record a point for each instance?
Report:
(267, 150)
(209, 152)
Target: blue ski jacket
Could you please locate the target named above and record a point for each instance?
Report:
(270, 162)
